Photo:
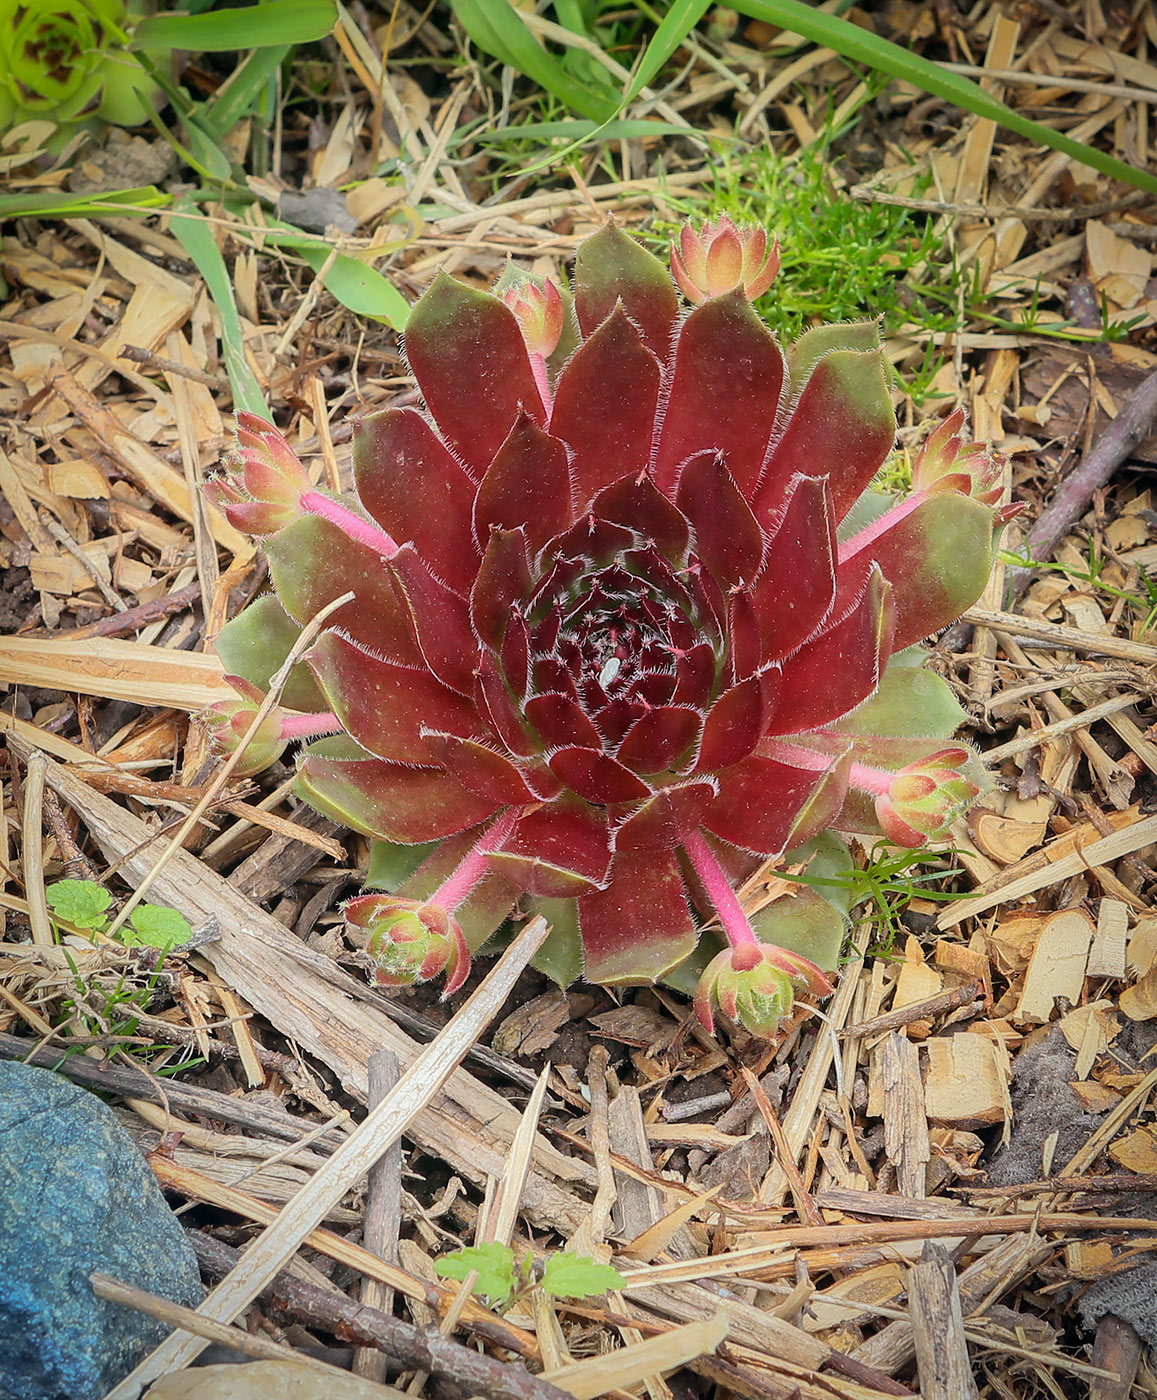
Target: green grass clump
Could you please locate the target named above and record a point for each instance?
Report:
(842, 259)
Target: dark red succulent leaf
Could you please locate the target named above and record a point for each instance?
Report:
(796, 587)
(503, 582)
(660, 822)
(527, 486)
(412, 485)
(390, 801)
(646, 900)
(378, 617)
(441, 620)
(760, 804)
(483, 770)
(559, 720)
(500, 711)
(735, 723)
(842, 667)
(613, 269)
(386, 707)
(635, 502)
(728, 539)
(596, 776)
(453, 325)
(723, 394)
(841, 425)
(608, 429)
(659, 738)
(560, 850)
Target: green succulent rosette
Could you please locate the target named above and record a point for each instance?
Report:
(66, 60)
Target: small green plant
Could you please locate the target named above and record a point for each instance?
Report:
(72, 61)
(883, 887)
(84, 905)
(1145, 607)
(503, 1282)
(112, 1011)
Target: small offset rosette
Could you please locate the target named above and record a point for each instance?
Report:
(924, 797)
(409, 941)
(539, 311)
(755, 984)
(261, 488)
(228, 723)
(721, 258)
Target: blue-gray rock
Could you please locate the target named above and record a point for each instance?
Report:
(76, 1197)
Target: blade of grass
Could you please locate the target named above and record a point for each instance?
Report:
(859, 46)
(580, 132)
(194, 234)
(140, 200)
(498, 30)
(677, 23)
(270, 22)
(240, 92)
(673, 29)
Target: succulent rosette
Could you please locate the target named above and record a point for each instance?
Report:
(63, 60)
(627, 622)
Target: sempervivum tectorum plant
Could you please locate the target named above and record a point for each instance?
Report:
(614, 641)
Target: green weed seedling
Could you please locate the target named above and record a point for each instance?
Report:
(503, 1283)
(84, 905)
(1145, 606)
(113, 1010)
(883, 887)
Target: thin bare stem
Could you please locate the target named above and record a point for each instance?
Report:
(457, 886)
(734, 921)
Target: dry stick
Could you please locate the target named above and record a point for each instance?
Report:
(937, 1005)
(276, 686)
(32, 857)
(86, 562)
(383, 1219)
(115, 1290)
(938, 1328)
(1072, 497)
(1060, 638)
(1117, 1348)
(423, 1348)
(415, 1090)
(141, 356)
(805, 1206)
(607, 1193)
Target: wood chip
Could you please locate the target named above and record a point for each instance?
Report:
(966, 1083)
(1107, 955)
(938, 1328)
(1058, 965)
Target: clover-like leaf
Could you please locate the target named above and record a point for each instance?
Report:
(578, 1276)
(82, 903)
(156, 926)
(494, 1264)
